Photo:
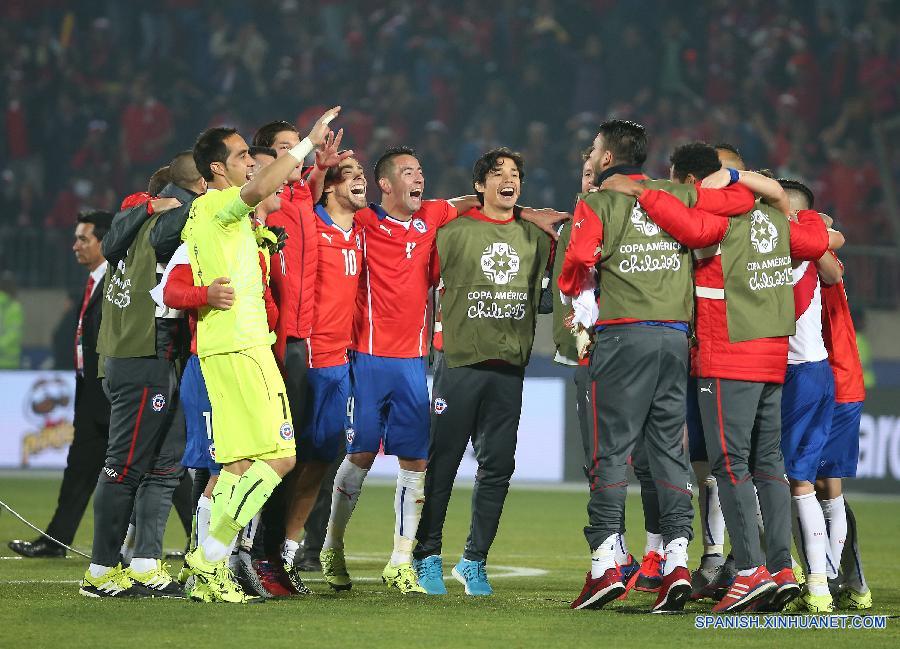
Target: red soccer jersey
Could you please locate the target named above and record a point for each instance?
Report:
(337, 279)
(392, 301)
(840, 341)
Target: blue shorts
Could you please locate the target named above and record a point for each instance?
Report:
(390, 405)
(696, 441)
(841, 453)
(807, 405)
(325, 419)
(199, 448)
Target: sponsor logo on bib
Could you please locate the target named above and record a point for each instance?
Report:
(286, 432)
(642, 222)
(500, 262)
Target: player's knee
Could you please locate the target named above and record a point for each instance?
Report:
(119, 474)
(497, 473)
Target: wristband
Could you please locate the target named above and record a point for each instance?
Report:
(302, 150)
(735, 175)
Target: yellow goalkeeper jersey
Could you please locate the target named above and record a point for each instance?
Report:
(221, 243)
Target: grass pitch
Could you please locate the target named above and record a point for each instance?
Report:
(537, 566)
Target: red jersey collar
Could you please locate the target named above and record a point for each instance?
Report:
(478, 215)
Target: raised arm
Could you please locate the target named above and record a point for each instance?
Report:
(272, 176)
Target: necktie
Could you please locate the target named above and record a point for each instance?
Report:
(79, 352)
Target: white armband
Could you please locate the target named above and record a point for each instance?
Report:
(302, 149)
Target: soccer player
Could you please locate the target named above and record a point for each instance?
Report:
(390, 392)
(639, 363)
(253, 431)
(841, 453)
(325, 420)
(741, 360)
(807, 407)
(491, 267)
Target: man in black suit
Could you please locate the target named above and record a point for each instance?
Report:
(88, 450)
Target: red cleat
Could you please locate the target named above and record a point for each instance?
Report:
(649, 577)
(598, 592)
(674, 591)
(745, 591)
(786, 590)
(269, 577)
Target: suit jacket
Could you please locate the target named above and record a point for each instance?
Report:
(90, 400)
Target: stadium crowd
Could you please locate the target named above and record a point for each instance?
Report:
(96, 92)
(262, 323)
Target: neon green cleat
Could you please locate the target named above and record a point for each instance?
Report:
(808, 603)
(334, 569)
(114, 583)
(403, 578)
(183, 575)
(158, 580)
(214, 580)
(852, 600)
(799, 577)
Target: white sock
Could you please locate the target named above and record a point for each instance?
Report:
(203, 515)
(289, 551)
(128, 544)
(97, 570)
(142, 565)
(408, 500)
(747, 572)
(214, 550)
(604, 557)
(676, 555)
(836, 523)
(621, 550)
(347, 484)
(811, 539)
(711, 517)
(654, 543)
(249, 533)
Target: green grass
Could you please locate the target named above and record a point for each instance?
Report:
(541, 529)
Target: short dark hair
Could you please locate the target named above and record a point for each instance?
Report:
(262, 150)
(586, 153)
(626, 140)
(791, 185)
(728, 147)
(100, 219)
(183, 170)
(490, 161)
(265, 135)
(160, 178)
(697, 158)
(210, 147)
(385, 165)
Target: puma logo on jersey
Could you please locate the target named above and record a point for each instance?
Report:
(708, 388)
(578, 223)
(381, 226)
(328, 237)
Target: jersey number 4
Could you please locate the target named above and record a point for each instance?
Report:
(349, 262)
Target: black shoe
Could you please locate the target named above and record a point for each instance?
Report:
(308, 562)
(248, 578)
(293, 575)
(39, 548)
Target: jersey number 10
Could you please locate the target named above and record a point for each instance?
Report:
(349, 262)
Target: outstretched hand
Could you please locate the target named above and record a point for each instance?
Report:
(547, 219)
(320, 129)
(330, 154)
(717, 179)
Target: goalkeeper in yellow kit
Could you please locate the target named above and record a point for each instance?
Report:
(254, 435)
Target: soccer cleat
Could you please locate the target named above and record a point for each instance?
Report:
(473, 575)
(183, 575)
(703, 582)
(308, 562)
(430, 571)
(41, 547)
(157, 580)
(269, 577)
(725, 579)
(248, 578)
(674, 591)
(214, 581)
(745, 590)
(296, 581)
(649, 577)
(114, 583)
(628, 570)
(809, 603)
(853, 600)
(600, 591)
(334, 569)
(799, 575)
(403, 578)
(786, 590)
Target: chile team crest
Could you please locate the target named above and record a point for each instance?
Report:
(420, 226)
(286, 432)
